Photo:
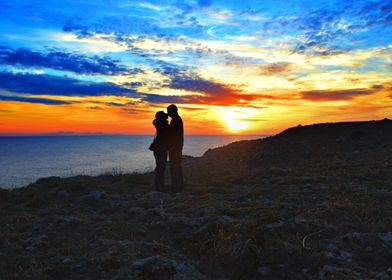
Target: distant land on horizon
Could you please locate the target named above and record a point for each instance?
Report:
(119, 134)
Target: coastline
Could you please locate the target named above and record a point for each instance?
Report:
(27, 159)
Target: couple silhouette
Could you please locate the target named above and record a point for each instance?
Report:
(169, 140)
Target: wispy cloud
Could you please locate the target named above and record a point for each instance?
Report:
(33, 100)
(326, 31)
(275, 68)
(5, 111)
(328, 95)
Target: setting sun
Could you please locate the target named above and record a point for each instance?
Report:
(237, 119)
(236, 125)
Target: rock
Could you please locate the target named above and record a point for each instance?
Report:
(156, 196)
(387, 237)
(181, 221)
(161, 267)
(62, 193)
(141, 262)
(93, 196)
(135, 211)
(113, 203)
(186, 271)
(344, 255)
(157, 224)
(230, 197)
(130, 274)
(70, 219)
(225, 219)
(214, 209)
(385, 275)
(80, 264)
(156, 267)
(273, 225)
(67, 260)
(329, 255)
(154, 213)
(37, 241)
(264, 270)
(332, 272)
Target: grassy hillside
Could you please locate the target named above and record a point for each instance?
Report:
(312, 202)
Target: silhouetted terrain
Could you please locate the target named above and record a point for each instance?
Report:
(313, 202)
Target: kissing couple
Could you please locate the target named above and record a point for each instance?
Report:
(169, 140)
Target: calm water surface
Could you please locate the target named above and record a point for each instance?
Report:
(24, 159)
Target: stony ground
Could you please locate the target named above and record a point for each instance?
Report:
(309, 203)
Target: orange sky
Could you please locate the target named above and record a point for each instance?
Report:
(269, 117)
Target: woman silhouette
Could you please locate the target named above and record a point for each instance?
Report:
(160, 147)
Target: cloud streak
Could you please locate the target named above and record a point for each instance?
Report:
(33, 100)
(57, 85)
(331, 95)
(63, 61)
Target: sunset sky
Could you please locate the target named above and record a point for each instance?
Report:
(245, 67)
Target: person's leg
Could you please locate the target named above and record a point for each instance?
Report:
(160, 159)
(175, 156)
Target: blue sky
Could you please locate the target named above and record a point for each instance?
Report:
(207, 55)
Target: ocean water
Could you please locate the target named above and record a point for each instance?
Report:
(24, 159)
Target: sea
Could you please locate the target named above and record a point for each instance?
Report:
(24, 159)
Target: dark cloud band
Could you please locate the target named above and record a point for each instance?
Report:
(55, 85)
(34, 100)
(63, 61)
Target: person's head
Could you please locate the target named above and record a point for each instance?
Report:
(161, 116)
(172, 110)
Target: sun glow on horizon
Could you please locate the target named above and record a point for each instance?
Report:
(236, 119)
(236, 125)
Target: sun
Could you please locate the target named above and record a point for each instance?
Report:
(236, 125)
(235, 118)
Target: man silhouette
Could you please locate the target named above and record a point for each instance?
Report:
(176, 142)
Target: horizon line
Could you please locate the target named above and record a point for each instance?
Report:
(118, 134)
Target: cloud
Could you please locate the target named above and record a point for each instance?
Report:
(197, 84)
(203, 91)
(214, 93)
(275, 68)
(95, 108)
(63, 61)
(115, 104)
(55, 85)
(333, 30)
(134, 111)
(377, 86)
(331, 95)
(117, 25)
(33, 100)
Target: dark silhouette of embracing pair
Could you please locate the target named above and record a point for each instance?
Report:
(169, 139)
